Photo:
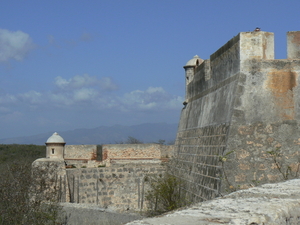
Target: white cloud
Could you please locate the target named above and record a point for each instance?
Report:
(151, 90)
(82, 88)
(83, 91)
(14, 45)
(154, 98)
(85, 94)
(60, 99)
(8, 99)
(107, 84)
(85, 80)
(32, 97)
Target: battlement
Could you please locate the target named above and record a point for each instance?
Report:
(240, 104)
(234, 57)
(293, 45)
(260, 45)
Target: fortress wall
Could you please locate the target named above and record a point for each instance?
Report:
(223, 64)
(248, 107)
(269, 90)
(50, 176)
(132, 151)
(265, 120)
(135, 153)
(256, 45)
(119, 188)
(225, 61)
(80, 152)
(204, 122)
(293, 45)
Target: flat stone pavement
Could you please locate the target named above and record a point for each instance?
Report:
(277, 203)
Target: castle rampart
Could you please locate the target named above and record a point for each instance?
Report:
(242, 109)
(121, 188)
(135, 153)
(117, 182)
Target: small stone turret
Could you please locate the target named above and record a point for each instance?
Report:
(189, 68)
(55, 147)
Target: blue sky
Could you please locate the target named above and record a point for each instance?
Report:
(82, 64)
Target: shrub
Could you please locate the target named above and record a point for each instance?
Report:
(165, 194)
(23, 203)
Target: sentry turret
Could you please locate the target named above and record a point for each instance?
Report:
(55, 146)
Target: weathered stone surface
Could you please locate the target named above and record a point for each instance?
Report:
(240, 126)
(87, 152)
(87, 214)
(269, 204)
(119, 188)
(128, 153)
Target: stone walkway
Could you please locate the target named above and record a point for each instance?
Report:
(268, 204)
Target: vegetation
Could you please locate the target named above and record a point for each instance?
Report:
(278, 160)
(130, 140)
(223, 159)
(133, 140)
(161, 142)
(165, 194)
(22, 197)
(13, 152)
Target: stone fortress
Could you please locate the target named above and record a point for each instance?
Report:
(111, 176)
(240, 124)
(239, 128)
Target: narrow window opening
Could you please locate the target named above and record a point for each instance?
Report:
(52, 150)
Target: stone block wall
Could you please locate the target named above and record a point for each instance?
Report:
(80, 152)
(242, 109)
(262, 153)
(264, 132)
(130, 152)
(120, 188)
(197, 160)
(50, 179)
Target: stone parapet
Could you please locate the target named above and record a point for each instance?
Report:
(121, 188)
(80, 152)
(132, 153)
(270, 204)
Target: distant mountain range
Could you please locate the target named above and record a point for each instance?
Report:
(147, 133)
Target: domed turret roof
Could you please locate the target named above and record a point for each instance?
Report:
(194, 61)
(55, 138)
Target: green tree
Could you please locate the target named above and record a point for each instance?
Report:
(22, 198)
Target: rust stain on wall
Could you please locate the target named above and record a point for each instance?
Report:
(296, 37)
(281, 84)
(94, 156)
(104, 156)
